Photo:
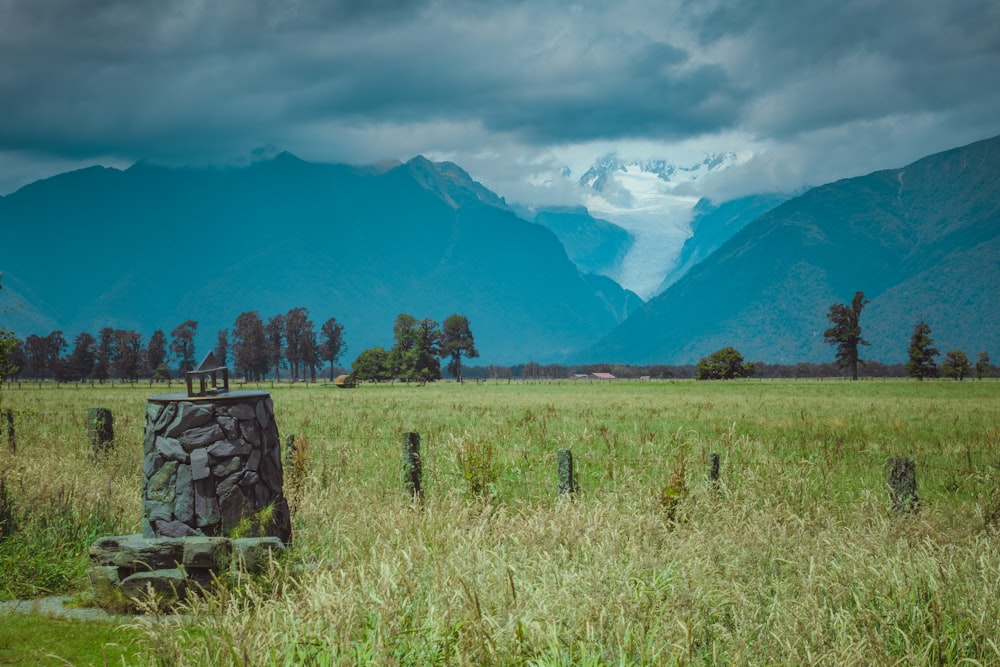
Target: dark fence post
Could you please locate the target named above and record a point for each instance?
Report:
(902, 478)
(567, 481)
(100, 430)
(11, 435)
(412, 470)
(713, 469)
(290, 451)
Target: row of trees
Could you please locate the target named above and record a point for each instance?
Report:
(257, 347)
(845, 334)
(415, 354)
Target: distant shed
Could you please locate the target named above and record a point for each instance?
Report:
(604, 376)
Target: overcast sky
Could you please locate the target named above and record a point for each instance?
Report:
(511, 91)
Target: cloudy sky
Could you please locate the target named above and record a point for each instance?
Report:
(512, 91)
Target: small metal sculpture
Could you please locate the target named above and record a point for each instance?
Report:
(208, 371)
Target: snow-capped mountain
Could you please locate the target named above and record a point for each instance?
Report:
(654, 200)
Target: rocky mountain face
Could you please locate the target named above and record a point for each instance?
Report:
(922, 241)
(150, 247)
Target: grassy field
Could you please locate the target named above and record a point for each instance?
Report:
(795, 558)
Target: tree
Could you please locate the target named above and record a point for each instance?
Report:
(401, 360)
(299, 336)
(251, 351)
(130, 355)
(921, 364)
(415, 354)
(724, 364)
(84, 356)
(982, 366)
(456, 340)
(956, 365)
(846, 332)
(107, 353)
(332, 345)
(156, 356)
(221, 351)
(9, 344)
(372, 365)
(182, 345)
(275, 331)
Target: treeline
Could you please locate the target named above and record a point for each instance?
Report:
(418, 347)
(256, 347)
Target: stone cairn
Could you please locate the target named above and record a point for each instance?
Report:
(212, 493)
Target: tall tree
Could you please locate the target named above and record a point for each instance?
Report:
(107, 353)
(956, 365)
(402, 359)
(36, 349)
(299, 336)
(275, 330)
(9, 345)
(130, 355)
(84, 356)
(846, 332)
(182, 345)
(221, 351)
(415, 354)
(156, 356)
(332, 342)
(982, 365)
(251, 353)
(921, 364)
(457, 340)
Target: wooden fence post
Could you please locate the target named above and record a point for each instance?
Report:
(11, 435)
(713, 469)
(902, 477)
(567, 481)
(412, 469)
(100, 430)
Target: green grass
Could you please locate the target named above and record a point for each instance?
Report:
(795, 558)
(36, 640)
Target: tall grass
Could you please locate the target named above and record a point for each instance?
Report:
(794, 558)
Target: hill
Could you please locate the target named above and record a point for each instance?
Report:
(150, 246)
(919, 241)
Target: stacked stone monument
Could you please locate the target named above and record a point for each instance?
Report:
(212, 491)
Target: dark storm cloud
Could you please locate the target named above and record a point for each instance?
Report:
(188, 80)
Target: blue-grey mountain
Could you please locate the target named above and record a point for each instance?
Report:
(922, 242)
(150, 247)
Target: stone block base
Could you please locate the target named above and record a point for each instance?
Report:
(126, 568)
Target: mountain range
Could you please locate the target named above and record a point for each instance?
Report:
(921, 242)
(149, 247)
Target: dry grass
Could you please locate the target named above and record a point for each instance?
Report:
(794, 559)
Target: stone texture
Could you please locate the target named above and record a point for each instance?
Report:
(148, 554)
(226, 467)
(189, 416)
(199, 464)
(253, 553)
(170, 449)
(226, 448)
(201, 436)
(242, 411)
(160, 486)
(208, 552)
(206, 504)
(211, 465)
(168, 585)
(175, 529)
(184, 498)
(173, 568)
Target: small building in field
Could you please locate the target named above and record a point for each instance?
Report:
(603, 376)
